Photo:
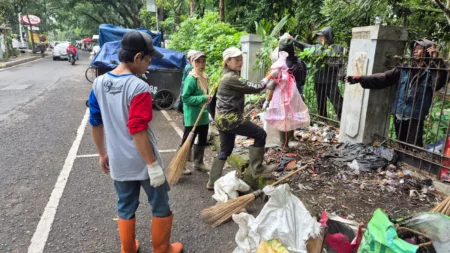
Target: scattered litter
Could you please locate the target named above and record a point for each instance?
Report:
(445, 175)
(303, 187)
(242, 141)
(354, 167)
(317, 134)
(287, 163)
(343, 236)
(434, 225)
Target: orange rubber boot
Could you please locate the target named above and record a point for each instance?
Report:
(161, 230)
(128, 235)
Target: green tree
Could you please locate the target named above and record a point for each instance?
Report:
(209, 35)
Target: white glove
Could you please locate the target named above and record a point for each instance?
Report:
(156, 174)
(265, 105)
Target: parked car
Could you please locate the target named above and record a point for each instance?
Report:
(55, 43)
(59, 51)
(17, 44)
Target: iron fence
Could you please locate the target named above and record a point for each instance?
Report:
(420, 115)
(324, 88)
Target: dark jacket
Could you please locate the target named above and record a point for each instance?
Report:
(415, 92)
(330, 72)
(296, 67)
(231, 99)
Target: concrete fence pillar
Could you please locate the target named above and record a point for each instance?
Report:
(365, 113)
(251, 44)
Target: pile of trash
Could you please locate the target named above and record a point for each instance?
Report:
(359, 158)
(285, 225)
(315, 133)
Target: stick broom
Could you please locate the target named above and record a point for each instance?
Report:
(176, 166)
(222, 212)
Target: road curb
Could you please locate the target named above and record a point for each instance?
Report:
(21, 61)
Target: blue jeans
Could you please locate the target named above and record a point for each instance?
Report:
(128, 198)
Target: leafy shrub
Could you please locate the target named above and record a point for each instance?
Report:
(208, 35)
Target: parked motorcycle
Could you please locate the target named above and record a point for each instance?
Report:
(72, 58)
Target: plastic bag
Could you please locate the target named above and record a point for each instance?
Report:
(272, 246)
(284, 217)
(367, 159)
(227, 187)
(381, 236)
(273, 137)
(344, 236)
(434, 225)
(286, 111)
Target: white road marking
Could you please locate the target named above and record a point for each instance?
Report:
(92, 155)
(172, 123)
(97, 155)
(167, 151)
(43, 228)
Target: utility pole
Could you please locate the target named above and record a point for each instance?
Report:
(20, 28)
(31, 32)
(45, 19)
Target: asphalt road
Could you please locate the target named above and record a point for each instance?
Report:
(42, 135)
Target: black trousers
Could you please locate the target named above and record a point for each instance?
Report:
(332, 92)
(410, 131)
(201, 131)
(247, 129)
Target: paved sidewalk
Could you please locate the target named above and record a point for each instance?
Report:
(22, 58)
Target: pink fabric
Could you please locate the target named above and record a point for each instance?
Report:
(286, 111)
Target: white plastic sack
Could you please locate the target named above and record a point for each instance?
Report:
(227, 187)
(284, 217)
(273, 136)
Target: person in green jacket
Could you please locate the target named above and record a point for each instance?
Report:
(187, 70)
(195, 95)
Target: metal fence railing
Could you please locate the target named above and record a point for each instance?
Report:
(324, 88)
(420, 116)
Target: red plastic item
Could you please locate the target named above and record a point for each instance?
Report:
(445, 174)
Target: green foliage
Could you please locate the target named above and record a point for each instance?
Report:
(148, 19)
(209, 35)
(344, 15)
(168, 25)
(270, 41)
(316, 61)
(437, 122)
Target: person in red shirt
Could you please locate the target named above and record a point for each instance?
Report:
(72, 50)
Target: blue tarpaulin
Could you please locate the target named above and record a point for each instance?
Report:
(108, 58)
(109, 33)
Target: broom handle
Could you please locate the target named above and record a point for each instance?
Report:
(201, 111)
(259, 192)
(289, 175)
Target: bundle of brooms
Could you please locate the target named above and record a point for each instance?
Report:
(176, 166)
(222, 212)
(443, 207)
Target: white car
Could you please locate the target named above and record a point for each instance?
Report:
(59, 51)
